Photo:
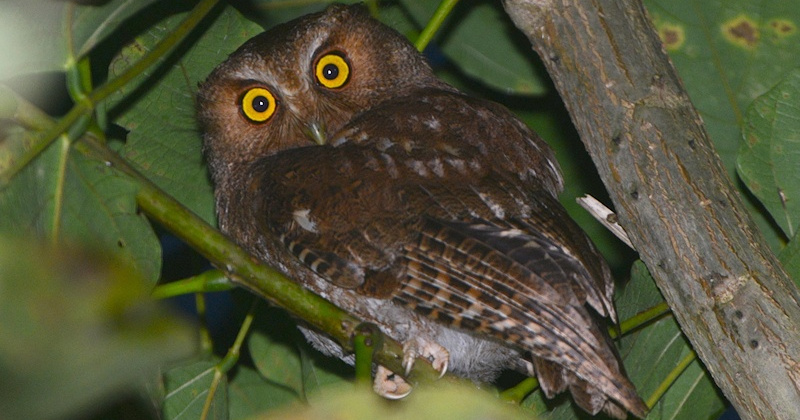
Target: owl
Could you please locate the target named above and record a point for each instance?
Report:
(339, 158)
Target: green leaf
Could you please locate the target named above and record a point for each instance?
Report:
(158, 108)
(282, 356)
(276, 360)
(35, 33)
(321, 374)
(77, 329)
(485, 44)
(68, 197)
(769, 160)
(790, 258)
(249, 394)
(651, 353)
(439, 401)
(187, 388)
(91, 25)
(728, 54)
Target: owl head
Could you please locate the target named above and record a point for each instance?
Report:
(300, 82)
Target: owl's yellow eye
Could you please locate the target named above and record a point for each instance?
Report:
(332, 70)
(258, 104)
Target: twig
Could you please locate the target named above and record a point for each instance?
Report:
(605, 216)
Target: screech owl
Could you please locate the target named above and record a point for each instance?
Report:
(339, 158)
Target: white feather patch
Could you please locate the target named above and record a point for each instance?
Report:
(495, 207)
(302, 217)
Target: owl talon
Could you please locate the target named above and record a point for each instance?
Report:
(441, 364)
(389, 385)
(408, 361)
(437, 355)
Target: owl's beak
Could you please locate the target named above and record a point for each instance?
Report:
(316, 132)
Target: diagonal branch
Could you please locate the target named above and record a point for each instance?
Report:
(730, 295)
(245, 271)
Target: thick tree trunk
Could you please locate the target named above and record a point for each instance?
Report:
(731, 297)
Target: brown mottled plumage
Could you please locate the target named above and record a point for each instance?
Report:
(340, 158)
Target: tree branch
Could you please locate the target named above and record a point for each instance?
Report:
(730, 295)
(245, 271)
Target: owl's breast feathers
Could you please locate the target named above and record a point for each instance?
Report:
(457, 219)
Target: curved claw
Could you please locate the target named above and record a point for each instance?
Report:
(409, 358)
(430, 350)
(389, 385)
(441, 364)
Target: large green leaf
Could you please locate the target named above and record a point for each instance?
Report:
(158, 108)
(92, 24)
(654, 351)
(35, 33)
(439, 401)
(77, 329)
(68, 197)
(484, 44)
(769, 160)
(322, 374)
(790, 258)
(269, 13)
(728, 54)
(273, 348)
(186, 389)
(249, 394)
(283, 357)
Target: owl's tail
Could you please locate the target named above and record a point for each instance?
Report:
(530, 296)
(554, 379)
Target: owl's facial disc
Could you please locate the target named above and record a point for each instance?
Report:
(257, 105)
(301, 82)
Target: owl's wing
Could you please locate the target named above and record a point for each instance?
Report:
(467, 246)
(522, 281)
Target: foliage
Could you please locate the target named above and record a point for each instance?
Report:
(77, 329)
(72, 315)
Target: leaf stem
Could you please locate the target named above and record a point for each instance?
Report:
(229, 361)
(436, 21)
(670, 379)
(206, 343)
(518, 392)
(209, 281)
(641, 319)
(367, 339)
(58, 196)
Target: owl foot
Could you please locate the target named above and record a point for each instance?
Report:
(433, 352)
(388, 385)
